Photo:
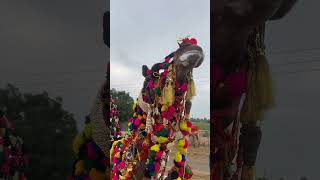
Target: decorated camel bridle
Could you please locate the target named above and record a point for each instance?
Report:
(159, 114)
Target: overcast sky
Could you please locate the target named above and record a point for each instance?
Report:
(144, 32)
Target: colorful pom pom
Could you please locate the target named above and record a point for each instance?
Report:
(155, 148)
(178, 157)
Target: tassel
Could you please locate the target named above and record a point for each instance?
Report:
(248, 173)
(168, 94)
(191, 89)
(259, 97)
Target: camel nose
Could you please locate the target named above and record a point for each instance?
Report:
(192, 57)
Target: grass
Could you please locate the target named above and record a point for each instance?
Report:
(202, 125)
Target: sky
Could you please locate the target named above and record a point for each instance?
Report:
(143, 32)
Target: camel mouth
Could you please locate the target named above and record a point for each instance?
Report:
(192, 57)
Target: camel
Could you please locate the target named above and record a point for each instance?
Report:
(161, 117)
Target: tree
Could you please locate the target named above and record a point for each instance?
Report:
(124, 103)
(47, 129)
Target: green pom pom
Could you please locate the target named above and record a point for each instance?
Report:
(187, 170)
(152, 155)
(165, 65)
(164, 132)
(157, 91)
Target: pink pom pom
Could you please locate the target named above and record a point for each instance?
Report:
(116, 149)
(157, 167)
(151, 85)
(121, 165)
(184, 87)
(185, 133)
(160, 127)
(148, 72)
(189, 124)
(167, 59)
(136, 122)
(158, 155)
(114, 160)
(115, 169)
(165, 73)
(186, 144)
(169, 113)
(114, 177)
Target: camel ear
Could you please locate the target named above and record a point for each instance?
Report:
(144, 70)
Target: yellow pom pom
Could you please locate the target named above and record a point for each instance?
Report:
(77, 143)
(178, 157)
(96, 175)
(182, 150)
(184, 126)
(181, 142)
(79, 167)
(164, 108)
(162, 139)
(87, 130)
(178, 178)
(189, 129)
(155, 147)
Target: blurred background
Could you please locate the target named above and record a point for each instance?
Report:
(53, 55)
(289, 148)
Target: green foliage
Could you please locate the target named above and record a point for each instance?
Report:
(46, 128)
(124, 103)
(203, 125)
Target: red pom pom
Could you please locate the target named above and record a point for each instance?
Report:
(193, 41)
(190, 41)
(189, 124)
